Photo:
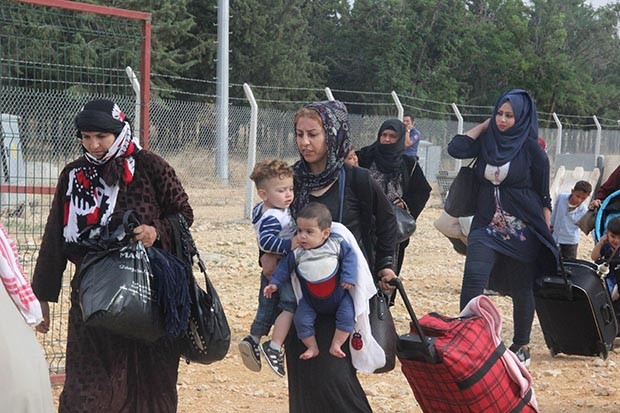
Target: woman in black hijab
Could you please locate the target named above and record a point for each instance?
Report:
(509, 240)
(398, 175)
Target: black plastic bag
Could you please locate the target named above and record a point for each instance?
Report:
(117, 293)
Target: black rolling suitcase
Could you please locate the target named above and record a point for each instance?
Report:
(575, 311)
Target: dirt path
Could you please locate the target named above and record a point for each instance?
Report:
(431, 274)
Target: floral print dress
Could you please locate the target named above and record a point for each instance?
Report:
(507, 233)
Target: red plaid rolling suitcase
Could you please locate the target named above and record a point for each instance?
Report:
(460, 365)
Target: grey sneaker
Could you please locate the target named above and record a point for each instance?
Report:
(250, 354)
(523, 354)
(274, 358)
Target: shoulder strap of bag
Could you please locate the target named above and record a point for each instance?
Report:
(342, 177)
(360, 189)
(415, 165)
(184, 245)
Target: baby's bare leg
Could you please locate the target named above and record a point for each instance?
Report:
(313, 348)
(340, 337)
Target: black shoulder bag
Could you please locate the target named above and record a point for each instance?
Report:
(462, 198)
(207, 336)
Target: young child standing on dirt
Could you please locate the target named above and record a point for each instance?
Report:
(275, 231)
(326, 267)
(606, 251)
(568, 209)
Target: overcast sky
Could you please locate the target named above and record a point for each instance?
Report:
(597, 3)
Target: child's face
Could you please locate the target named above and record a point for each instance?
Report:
(613, 239)
(577, 197)
(309, 234)
(351, 158)
(277, 193)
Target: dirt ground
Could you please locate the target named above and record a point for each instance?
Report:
(431, 274)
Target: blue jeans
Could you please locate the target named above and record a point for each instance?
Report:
(269, 308)
(306, 315)
(478, 266)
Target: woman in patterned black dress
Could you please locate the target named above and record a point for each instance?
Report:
(105, 372)
(399, 175)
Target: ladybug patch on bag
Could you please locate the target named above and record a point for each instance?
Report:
(356, 341)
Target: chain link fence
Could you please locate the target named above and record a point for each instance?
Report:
(52, 61)
(183, 132)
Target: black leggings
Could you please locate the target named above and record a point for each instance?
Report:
(478, 266)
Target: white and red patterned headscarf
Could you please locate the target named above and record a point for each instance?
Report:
(93, 188)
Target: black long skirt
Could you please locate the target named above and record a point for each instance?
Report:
(325, 383)
(107, 373)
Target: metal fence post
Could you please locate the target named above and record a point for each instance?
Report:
(249, 188)
(329, 94)
(399, 106)
(597, 145)
(459, 130)
(135, 83)
(221, 163)
(558, 140)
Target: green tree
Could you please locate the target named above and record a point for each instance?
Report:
(270, 46)
(435, 35)
(173, 45)
(491, 54)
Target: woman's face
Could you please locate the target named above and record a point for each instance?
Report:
(98, 143)
(312, 143)
(388, 137)
(505, 117)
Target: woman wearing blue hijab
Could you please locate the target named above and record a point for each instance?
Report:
(509, 237)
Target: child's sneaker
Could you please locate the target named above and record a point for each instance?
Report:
(274, 358)
(250, 354)
(523, 354)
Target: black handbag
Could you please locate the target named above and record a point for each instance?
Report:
(116, 287)
(462, 197)
(383, 329)
(207, 336)
(405, 223)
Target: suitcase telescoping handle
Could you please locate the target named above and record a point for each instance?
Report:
(428, 342)
(568, 285)
(564, 274)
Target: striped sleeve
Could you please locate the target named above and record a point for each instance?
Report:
(269, 240)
